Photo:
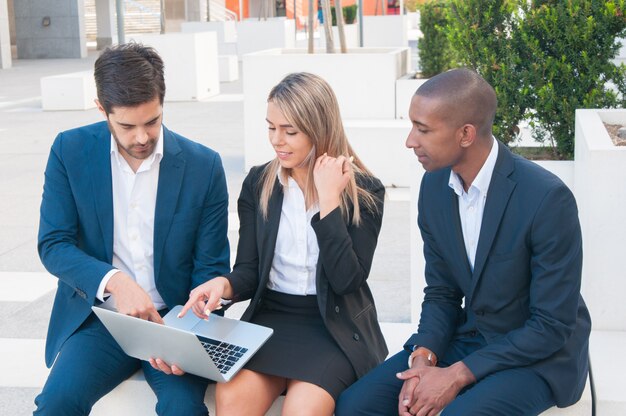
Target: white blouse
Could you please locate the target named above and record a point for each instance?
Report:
(296, 252)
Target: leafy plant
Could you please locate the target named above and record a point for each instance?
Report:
(433, 47)
(545, 59)
(479, 32)
(349, 14)
(568, 47)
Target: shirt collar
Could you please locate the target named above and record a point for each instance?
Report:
(285, 180)
(156, 156)
(483, 179)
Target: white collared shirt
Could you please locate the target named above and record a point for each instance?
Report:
(134, 204)
(472, 202)
(296, 252)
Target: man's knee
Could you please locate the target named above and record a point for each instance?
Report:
(351, 402)
(59, 401)
(183, 396)
(175, 406)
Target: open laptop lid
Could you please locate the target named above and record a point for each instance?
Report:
(180, 345)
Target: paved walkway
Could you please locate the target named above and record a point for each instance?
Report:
(26, 290)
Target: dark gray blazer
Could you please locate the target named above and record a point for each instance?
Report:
(524, 291)
(345, 257)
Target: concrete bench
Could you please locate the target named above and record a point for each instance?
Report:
(73, 91)
(228, 67)
(134, 396)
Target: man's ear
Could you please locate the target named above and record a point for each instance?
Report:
(467, 134)
(100, 108)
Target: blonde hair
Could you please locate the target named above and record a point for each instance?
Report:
(310, 105)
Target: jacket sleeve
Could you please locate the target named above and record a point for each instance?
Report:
(244, 278)
(59, 232)
(346, 251)
(212, 253)
(441, 307)
(555, 264)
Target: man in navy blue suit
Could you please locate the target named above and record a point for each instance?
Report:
(503, 329)
(133, 217)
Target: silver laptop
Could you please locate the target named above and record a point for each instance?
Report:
(215, 349)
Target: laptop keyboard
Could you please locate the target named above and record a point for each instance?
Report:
(223, 354)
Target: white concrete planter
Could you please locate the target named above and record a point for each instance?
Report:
(405, 89)
(564, 169)
(390, 30)
(351, 32)
(255, 35)
(226, 34)
(601, 195)
(191, 63)
(380, 145)
(363, 80)
(413, 20)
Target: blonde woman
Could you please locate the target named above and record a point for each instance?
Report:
(309, 223)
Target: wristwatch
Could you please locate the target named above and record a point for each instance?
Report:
(417, 350)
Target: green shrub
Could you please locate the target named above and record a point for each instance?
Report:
(349, 14)
(545, 59)
(433, 47)
(568, 47)
(479, 34)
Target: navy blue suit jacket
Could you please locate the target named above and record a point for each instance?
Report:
(76, 223)
(524, 291)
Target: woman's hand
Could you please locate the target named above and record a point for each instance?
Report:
(206, 298)
(331, 176)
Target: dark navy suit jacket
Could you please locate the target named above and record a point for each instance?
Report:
(76, 223)
(524, 291)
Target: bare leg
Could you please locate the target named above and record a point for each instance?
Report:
(306, 399)
(248, 394)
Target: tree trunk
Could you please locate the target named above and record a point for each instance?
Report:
(162, 17)
(310, 27)
(340, 29)
(328, 26)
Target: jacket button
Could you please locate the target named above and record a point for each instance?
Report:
(336, 309)
(356, 336)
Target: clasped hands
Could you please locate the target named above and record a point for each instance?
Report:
(427, 390)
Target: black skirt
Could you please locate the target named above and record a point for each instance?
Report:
(301, 347)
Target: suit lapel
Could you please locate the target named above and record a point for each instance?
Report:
(498, 195)
(455, 229)
(99, 160)
(171, 173)
(268, 232)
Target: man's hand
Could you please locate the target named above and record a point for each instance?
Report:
(161, 365)
(131, 299)
(427, 390)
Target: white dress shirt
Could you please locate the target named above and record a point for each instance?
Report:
(472, 202)
(296, 252)
(134, 203)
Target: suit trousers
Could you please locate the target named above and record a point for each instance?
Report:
(518, 391)
(91, 364)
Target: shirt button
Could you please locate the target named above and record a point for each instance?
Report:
(336, 309)
(356, 336)
(133, 237)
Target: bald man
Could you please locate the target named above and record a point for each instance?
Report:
(503, 329)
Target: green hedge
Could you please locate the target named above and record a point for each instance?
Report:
(433, 47)
(545, 59)
(349, 14)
